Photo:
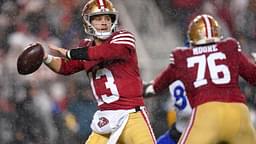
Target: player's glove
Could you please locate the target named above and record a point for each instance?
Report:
(148, 90)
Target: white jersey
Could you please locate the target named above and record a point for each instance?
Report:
(181, 104)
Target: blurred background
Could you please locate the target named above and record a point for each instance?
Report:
(46, 108)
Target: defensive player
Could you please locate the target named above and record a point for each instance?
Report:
(110, 60)
(210, 70)
(183, 111)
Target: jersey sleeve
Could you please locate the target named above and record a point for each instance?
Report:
(70, 66)
(164, 79)
(119, 47)
(247, 67)
(171, 73)
(73, 66)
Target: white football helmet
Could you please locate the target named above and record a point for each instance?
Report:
(99, 7)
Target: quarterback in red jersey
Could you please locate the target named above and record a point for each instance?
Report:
(110, 60)
(210, 70)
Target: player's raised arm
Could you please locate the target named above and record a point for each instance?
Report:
(61, 64)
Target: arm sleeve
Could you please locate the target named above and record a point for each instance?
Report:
(70, 66)
(164, 79)
(77, 54)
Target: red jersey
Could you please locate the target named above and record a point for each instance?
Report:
(210, 72)
(113, 71)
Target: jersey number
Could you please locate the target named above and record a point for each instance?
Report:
(180, 98)
(109, 84)
(209, 62)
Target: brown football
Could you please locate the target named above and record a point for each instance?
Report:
(30, 59)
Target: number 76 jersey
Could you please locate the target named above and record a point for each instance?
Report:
(209, 72)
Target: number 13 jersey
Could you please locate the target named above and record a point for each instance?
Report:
(113, 71)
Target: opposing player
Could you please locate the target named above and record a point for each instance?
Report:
(110, 60)
(210, 70)
(183, 111)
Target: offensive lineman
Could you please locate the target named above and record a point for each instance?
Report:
(210, 70)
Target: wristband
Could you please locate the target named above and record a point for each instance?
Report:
(48, 59)
(78, 54)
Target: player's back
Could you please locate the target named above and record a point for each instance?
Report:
(210, 72)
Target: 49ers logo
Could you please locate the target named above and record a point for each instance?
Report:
(102, 122)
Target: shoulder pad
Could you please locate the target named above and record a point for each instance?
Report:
(233, 41)
(180, 49)
(178, 52)
(171, 58)
(229, 39)
(123, 37)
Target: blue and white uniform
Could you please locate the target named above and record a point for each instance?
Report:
(183, 110)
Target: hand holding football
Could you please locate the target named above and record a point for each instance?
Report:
(30, 59)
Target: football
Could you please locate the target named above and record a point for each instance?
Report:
(30, 59)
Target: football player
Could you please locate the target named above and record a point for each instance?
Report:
(183, 111)
(110, 60)
(210, 70)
